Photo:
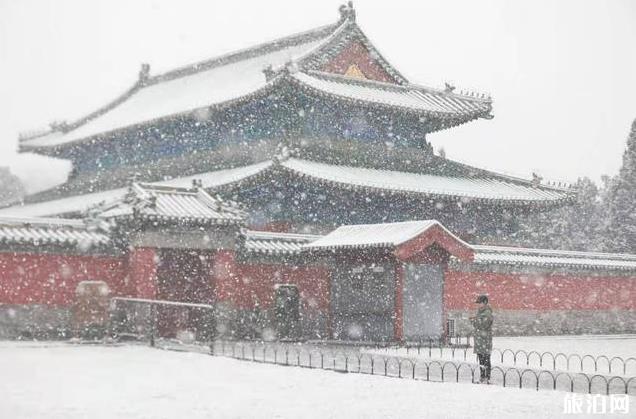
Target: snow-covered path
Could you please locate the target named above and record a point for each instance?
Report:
(77, 381)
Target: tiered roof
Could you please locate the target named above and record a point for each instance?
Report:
(485, 188)
(407, 97)
(249, 74)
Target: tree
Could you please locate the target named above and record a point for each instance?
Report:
(577, 226)
(11, 188)
(620, 231)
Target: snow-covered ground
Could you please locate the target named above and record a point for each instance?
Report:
(68, 381)
(587, 353)
(608, 345)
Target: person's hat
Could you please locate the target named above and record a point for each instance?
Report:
(483, 298)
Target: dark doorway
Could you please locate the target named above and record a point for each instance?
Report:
(183, 276)
(287, 311)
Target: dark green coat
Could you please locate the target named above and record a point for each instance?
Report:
(482, 323)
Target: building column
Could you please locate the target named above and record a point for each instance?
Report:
(398, 319)
(143, 263)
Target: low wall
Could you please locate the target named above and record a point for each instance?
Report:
(36, 321)
(544, 303)
(550, 322)
(38, 290)
(51, 279)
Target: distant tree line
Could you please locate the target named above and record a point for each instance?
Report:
(601, 219)
(11, 188)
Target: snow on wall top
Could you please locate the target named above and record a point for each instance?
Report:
(388, 235)
(489, 255)
(371, 235)
(43, 231)
(275, 243)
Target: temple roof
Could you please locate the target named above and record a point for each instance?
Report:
(410, 97)
(50, 231)
(275, 243)
(169, 203)
(483, 188)
(239, 76)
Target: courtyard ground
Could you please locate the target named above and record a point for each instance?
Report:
(591, 354)
(60, 380)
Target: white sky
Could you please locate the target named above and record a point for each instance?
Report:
(562, 73)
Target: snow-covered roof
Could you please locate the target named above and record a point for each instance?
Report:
(517, 256)
(179, 95)
(372, 235)
(481, 188)
(408, 96)
(275, 243)
(82, 203)
(240, 76)
(169, 203)
(186, 89)
(477, 188)
(394, 234)
(49, 231)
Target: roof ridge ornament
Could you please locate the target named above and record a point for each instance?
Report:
(282, 153)
(536, 180)
(197, 184)
(269, 72)
(291, 67)
(144, 74)
(60, 126)
(347, 12)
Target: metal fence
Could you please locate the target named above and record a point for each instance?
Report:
(185, 326)
(555, 361)
(352, 360)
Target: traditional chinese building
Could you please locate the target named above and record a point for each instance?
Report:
(397, 281)
(238, 158)
(308, 132)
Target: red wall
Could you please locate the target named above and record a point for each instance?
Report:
(539, 291)
(255, 285)
(27, 278)
(143, 272)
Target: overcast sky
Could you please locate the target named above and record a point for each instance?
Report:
(562, 73)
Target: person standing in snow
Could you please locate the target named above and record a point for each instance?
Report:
(482, 324)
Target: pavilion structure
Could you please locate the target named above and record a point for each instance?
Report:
(292, 185)
(307, 132)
